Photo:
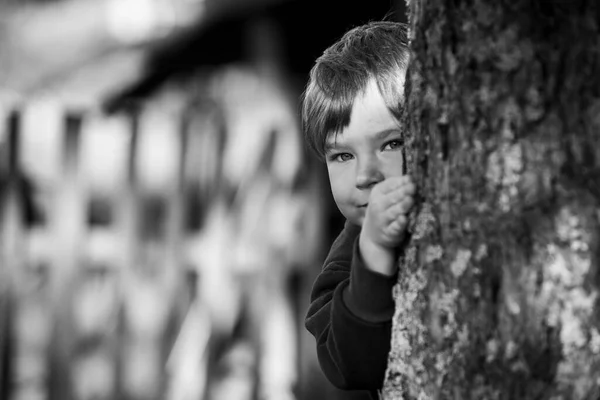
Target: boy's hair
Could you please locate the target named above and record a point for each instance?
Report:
(376, 50)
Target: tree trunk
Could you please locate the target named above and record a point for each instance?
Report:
(497, 296)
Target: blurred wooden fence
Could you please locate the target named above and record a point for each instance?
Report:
(146, 255)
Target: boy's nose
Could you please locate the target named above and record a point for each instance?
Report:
(368, 174)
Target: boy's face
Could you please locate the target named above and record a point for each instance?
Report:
(365, 153)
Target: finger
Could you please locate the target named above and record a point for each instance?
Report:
(390, 199)
(394, 183)
(400, 208)
(406, 204)
(397, 226)
(404, 190)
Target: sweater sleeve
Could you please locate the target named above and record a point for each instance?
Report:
(350, 317)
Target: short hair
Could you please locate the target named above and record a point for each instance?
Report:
(376, 50)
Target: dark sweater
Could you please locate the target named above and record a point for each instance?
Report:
(350, 315)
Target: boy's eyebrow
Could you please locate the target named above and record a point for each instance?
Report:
(330, 145)
(387, 132)
(381, 135)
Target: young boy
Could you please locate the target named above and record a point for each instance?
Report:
(350, 114)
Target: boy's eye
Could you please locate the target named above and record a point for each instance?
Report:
(341, 157)
(393, 144)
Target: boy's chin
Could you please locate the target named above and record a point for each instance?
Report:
(355, 219)
(354, 215)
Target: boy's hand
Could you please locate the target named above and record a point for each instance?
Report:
(385, 222)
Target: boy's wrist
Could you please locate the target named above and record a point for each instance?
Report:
(377, 258)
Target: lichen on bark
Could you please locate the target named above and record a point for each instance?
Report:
(497, 295)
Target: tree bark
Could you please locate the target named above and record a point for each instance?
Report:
(497, 297)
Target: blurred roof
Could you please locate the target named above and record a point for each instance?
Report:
(304, 29)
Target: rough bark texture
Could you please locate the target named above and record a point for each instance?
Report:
(498, 292)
